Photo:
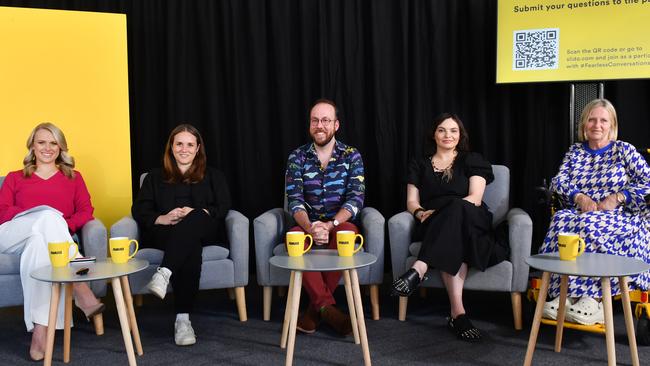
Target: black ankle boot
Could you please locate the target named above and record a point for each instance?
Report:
(407, 283)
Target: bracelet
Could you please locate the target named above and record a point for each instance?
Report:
(417, 210)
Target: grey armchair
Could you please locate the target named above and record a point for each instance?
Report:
(221, 268)
(509, 276)
(269, 229)
(92, 242)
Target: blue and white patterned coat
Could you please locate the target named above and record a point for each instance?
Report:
(624, 231)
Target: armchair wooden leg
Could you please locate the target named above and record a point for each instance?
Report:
(137, 300)
(374, 301)
(515, 297)
(267, 295)
(282, 291)
(403, 301)
(240, 297)
(98, 322)
(231, 293)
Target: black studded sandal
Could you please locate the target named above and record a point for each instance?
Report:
(407, 283)
(463, 328)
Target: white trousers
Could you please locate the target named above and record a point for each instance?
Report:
(28, 236)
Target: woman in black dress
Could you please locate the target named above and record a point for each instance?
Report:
(444, 194)
(180, 209)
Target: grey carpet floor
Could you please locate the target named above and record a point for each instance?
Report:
(222, 340)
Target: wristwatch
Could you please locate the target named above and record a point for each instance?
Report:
(335, 222)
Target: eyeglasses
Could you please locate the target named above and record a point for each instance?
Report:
(325, 121)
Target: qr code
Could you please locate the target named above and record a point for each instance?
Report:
(536, 49)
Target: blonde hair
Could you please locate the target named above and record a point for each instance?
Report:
(64, 162)
(613, 129)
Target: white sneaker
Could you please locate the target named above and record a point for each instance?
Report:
(586, 311)
(551, 308)
(183, 333)
(159, 282)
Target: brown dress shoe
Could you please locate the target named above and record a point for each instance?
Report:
(338, 320)
(308, 321)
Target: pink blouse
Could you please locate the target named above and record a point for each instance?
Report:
(70, 196)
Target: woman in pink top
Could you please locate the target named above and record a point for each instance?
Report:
(47, 180)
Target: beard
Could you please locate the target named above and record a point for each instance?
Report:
(325, 141)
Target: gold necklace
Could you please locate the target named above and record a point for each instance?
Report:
(447, 172)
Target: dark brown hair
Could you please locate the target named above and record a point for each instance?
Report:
(196, 172)
(430, 141)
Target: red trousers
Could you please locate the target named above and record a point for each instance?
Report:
(321, 285)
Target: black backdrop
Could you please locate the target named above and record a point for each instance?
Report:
(245, 71)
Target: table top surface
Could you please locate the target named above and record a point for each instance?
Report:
(323, 260)
(99, 270)
(589, 265)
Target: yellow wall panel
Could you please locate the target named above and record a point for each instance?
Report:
(69, 68)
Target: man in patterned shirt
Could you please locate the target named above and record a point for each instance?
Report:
(325, 191)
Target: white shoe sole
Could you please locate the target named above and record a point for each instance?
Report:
(306, 331)
(577, 318)
(185, 342)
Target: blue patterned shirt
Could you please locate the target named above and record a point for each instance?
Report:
(323, 192)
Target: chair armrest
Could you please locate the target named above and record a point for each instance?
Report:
(237, 226)
(268, 229)
(94, 239)
(373, 230)
(520, 233)
(400, 230)
(126, 226)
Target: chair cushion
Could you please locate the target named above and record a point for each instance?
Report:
(215, 253)
(495, 278)
(9, 264)
(210, 253)
(280, 250)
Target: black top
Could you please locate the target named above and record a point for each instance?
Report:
(435, 191)
(158, 198)
(183, 195)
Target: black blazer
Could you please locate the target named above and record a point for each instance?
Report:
(157, 197)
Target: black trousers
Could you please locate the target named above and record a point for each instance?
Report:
(183, 246)
(459, 232)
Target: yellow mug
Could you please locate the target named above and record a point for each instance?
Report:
(345, 241)
(571, 246)
(60, 253)
(120, 248)
(296, 243)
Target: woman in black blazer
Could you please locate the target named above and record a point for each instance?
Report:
(179, 209)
